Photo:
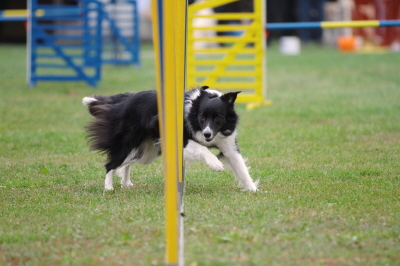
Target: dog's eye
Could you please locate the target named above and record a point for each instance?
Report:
(217, 118)
(202, 118)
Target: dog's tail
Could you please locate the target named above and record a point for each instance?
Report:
(97, 106)
(98, 129)
(88, 100)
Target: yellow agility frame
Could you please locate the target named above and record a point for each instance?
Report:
(240, 65)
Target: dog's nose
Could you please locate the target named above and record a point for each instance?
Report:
(207, 135)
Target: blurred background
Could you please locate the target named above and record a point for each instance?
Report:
(277, 11)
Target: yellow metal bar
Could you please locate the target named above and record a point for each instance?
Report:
(239, 39)
(350, 24)
(171, 224)
(247, 50)
(180, 73)
(253, 27)
(180, 83)
(259, 11)
(228, 74)
(248, 98)
(225, 63)
(15, 13)
(226, 16)
(157, 49)
(169, 49)
(207, 4)
(21, 13)
(236, 85)
(169, 136)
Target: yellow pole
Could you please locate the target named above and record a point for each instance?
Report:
(180, 82)
(169, 19)
(157, 46)
(180, 73)
(169, 136)
(350, 24)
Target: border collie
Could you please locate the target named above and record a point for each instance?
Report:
(125, 128)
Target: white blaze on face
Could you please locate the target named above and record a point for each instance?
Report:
(207, 133)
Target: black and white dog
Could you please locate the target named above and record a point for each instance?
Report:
(125, 128)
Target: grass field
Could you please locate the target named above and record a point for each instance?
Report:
(327, 153)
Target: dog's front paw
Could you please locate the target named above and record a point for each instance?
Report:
(215, 164)
(126, 184)
(108, 187)
(251, 189)
(252, 186)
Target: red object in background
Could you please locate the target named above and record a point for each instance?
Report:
(377, 10)
(266, 34)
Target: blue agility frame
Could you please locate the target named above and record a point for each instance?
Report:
(121, 38)
(67, 38)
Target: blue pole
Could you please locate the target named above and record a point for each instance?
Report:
(293, 25)
(333, 24)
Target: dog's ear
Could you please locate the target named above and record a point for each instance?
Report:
(230, 97)
(204, 87)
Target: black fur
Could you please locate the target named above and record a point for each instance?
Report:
(210, 106)
(122, 122)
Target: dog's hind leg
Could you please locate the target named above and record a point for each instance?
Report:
(124, 173)
(108, 182)
(116, 158)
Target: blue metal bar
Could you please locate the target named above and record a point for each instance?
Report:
(332, 24)
(389, 23)
(48, 65)
(293, 25)
(57, 78)
(55, 6)
(60, 27)
(11, 19)
(52, 56)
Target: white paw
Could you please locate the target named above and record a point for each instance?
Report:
(251, 189)
(126, 184)
(108, 187)
(215, 164)
(252, 186)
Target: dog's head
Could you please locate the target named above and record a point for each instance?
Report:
(216, 114)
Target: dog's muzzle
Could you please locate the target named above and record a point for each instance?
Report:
(208, 136)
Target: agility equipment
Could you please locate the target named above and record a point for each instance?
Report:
(345, 43)
(64, 42)
(13, 15)
(121, 39)
(169, 31)
(333, 24)
(71, 42)
(234, 61)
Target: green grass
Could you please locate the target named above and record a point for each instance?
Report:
(327, 153)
